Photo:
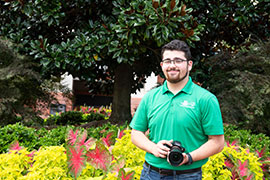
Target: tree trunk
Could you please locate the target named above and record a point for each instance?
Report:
(121, 94)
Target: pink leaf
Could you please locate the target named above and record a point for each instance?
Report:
(100, 157)
(72, 137)
(76, 161)
(232, 144)
(120, 134)
(123, 176)
(242, 167)
(87, 143)
(108, 141)
(15, 146)
(250, 177)
(261, 153)
(228, 163)
(234, 175)
(120, 163)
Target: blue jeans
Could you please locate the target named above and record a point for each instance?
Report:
(149, 174)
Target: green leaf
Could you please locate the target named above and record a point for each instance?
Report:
(116, 54)
(130, 40)
(57, 64)
(50, 21)
(120, 59)
(195, 38)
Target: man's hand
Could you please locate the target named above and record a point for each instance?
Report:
(161, 150)
(185, 159)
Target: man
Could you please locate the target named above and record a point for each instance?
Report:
(179, 110)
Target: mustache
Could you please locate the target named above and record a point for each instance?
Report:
(173, 69)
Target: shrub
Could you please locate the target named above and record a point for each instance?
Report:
(30, 137)
(243, 78)
(10, 133)
(78, 117)
(66, 118)
(245, 138)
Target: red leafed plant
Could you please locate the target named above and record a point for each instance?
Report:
(120, 134)
(15, 146)
(76, 161)
(82, 142)
(72, 137)
(76, 147)
(79, 152)
(125, 176)
(100, 157)
(108, 140)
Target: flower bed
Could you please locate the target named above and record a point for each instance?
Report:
(84, 158)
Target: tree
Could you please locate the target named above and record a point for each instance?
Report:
(120, 44)
(242, 84)
(116, 45)
(20, 88)
(229, 25)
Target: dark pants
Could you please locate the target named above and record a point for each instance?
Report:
(149, 174)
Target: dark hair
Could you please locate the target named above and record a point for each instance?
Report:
(178, 46)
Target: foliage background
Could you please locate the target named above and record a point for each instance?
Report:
(242, 84)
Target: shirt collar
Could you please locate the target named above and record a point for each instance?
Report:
(187, 88)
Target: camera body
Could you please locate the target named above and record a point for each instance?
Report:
(175, 156)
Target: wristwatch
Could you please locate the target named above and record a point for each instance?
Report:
(190, 160)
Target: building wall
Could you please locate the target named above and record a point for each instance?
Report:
(68, 80)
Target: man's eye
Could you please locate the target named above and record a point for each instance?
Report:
(178, 61)
(167, 61)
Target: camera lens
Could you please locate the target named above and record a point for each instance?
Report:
(175, 157)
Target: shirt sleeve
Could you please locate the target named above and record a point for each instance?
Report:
(140, 121)
(211, 117)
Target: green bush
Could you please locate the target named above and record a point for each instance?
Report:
(94, 117)
(25, 136)
(30, 137)
(246, 139)
(35, 138)
(66, 118)
(73, 118)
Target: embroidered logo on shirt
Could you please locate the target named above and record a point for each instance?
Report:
(188, 104)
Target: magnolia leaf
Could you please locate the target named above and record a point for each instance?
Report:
(100, 157)
(76, 161)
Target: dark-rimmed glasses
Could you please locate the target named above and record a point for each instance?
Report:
(176, 61)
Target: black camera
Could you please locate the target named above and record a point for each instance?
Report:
(175, 156)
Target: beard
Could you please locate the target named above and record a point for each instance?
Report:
(175, 78)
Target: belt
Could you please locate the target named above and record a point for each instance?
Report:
(168, 172)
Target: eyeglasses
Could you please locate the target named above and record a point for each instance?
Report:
(176, 61)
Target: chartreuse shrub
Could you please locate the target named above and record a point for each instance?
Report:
(233, 162)
(46, 163)
(15, 164)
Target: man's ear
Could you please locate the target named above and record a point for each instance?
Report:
(190, 63)
(161, 64)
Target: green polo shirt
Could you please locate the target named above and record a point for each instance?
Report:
(188, 116)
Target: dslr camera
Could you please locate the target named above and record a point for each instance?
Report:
(175, 156)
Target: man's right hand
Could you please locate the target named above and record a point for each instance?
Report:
(160, 150)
